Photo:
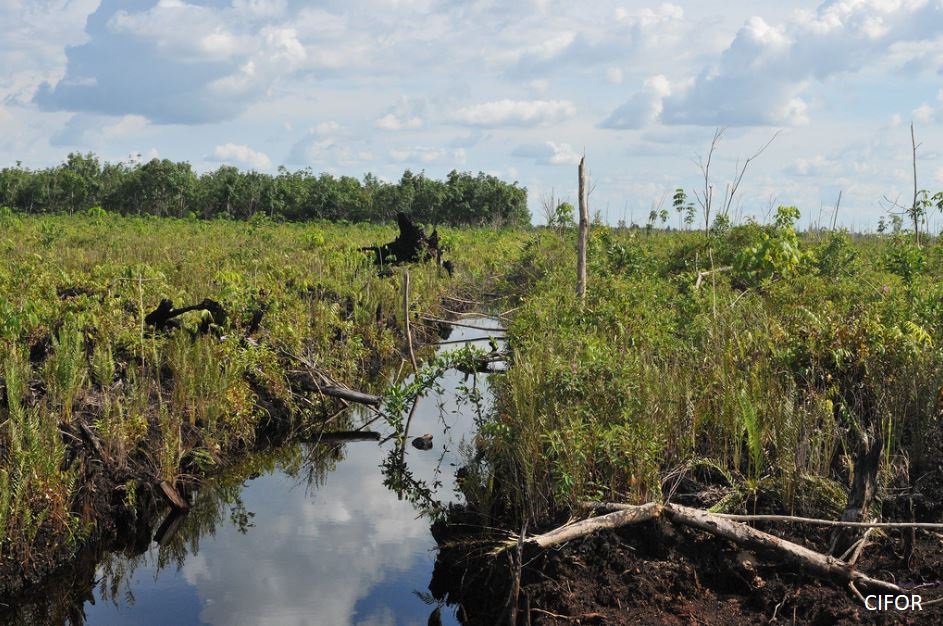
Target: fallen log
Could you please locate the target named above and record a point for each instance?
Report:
(349, 395)
(429, 318)
(821, 565)
(793, 519)
(89, 437)
(616, 519)
(345, 436)
(702, 275)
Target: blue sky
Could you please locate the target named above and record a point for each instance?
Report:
(517, 89)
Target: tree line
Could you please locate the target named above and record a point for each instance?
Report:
(166, 188)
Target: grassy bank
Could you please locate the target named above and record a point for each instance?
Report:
(76, 353)
(756, 362)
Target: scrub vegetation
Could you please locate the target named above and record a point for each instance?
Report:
(744, 368)
(98, 406)
(761, 358)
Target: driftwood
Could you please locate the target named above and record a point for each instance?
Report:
(821, 565)
(793, 519)
(616, 519)
(172, 496)
(162, 318)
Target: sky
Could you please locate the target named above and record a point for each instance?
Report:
(516, 89)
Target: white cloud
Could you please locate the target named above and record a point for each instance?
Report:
(406, 114)
(180, 30)
(924, 113)
(643, 107)
(243, 155)
(124, 127)
(515, 113)
(549, 153)
(930, 114)
(32, 48)
(761, 77)
(260, 8)
(815, 166)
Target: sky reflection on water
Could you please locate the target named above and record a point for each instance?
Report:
(347, 551)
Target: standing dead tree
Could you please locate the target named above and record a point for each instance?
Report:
(705, 197)
(584, 233)
(412, 245)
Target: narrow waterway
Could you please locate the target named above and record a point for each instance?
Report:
(307, 534)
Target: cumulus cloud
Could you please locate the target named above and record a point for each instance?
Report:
(515, 113)
(242, 155)
(815, 166)
(548, 153)
(94, 131)
(329, 145)
(643, 107)
(590, 41)
(177, 62)
(406, 114)
(928, 113)
(32, 48)
(761, 77)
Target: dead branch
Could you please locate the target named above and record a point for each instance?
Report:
(702, 275)
(429, 318)
(739, 176)
(617, 519)
(792, 519)
(821, 565)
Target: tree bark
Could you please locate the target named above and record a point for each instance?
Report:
(583, 234)
(864, 483)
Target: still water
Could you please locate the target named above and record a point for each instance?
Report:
(306, 535)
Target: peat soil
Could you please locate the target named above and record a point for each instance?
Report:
(657, 573)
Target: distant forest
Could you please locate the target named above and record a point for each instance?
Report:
(165, 188)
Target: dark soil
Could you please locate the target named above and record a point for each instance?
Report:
(656, 573)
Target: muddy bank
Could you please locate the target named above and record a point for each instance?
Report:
(656, 573)
(659, 572)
